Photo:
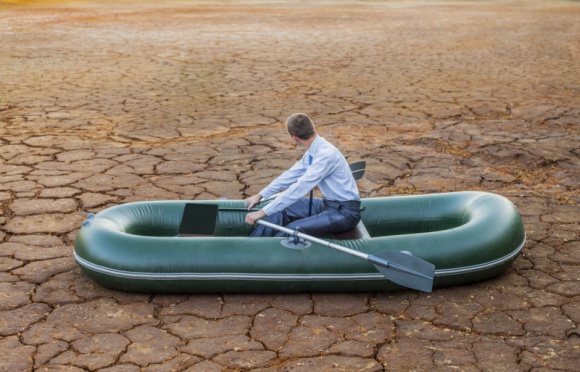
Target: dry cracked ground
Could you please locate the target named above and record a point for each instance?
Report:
(103, 103)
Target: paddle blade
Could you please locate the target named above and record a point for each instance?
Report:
(405, 269)
(358, 169)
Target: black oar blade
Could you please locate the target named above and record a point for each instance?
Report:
(405, 269)
(358, 169)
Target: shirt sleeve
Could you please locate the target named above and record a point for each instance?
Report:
(311, 175)
(285, 179)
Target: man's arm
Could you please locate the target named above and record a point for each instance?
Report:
(317, 171)
(252, 201)
(286, 179)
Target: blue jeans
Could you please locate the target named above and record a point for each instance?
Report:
(328, 217)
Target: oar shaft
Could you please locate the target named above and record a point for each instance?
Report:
(233, 209)
(313, 239)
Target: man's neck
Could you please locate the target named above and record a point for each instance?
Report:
(308, 142)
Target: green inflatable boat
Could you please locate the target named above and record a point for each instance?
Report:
(464, 236)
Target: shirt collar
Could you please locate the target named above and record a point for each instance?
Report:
(315, 145)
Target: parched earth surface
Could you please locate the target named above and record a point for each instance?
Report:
(108, 102)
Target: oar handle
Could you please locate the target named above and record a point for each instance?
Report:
(272, 197)
(253, 208)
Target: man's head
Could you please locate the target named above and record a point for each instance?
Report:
(301, 126)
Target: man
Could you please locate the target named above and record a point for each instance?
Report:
(322, 165)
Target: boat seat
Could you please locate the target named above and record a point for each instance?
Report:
(359, 232)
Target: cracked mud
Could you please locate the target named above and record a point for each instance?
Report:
(112, 102)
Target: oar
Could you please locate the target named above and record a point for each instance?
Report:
(270, 198)
(358, 169)
(401, 268)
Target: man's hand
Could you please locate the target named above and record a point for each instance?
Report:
(251, 218)
(252, 201)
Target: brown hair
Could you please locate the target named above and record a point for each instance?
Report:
(301, 126)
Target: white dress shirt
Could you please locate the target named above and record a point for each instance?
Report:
(329, 171)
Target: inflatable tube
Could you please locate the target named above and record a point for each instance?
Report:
(134, 247)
